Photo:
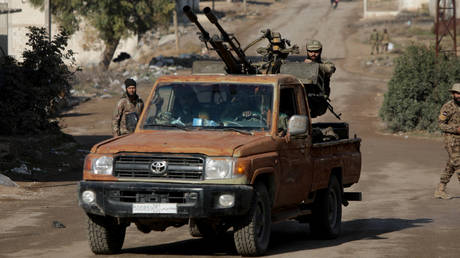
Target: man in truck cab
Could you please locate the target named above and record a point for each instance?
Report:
(186, 105)
(128, 107)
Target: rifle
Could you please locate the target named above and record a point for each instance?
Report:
(331, 108)
(233, 65)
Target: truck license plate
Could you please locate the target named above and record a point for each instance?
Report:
(155, 208)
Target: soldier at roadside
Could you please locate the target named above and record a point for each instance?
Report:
(449, 123)
(129, 106)
(385, 40)
(375, 40)
(327, 68)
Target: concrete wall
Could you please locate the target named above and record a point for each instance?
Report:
(3, 29)
(18, 23)
(412, 5)
(409, 5)
(29, 16)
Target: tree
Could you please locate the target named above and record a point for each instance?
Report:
(114, 20)
(30, 88)
(418, 89)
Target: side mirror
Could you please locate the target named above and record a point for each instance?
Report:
(297, 125)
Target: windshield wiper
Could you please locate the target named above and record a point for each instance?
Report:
(171, 126)
(241, 131)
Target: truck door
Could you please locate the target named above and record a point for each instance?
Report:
(295, 159)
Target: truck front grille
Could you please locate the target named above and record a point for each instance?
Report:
(151, 166)
(153, 197)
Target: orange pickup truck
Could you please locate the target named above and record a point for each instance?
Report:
(219, 152)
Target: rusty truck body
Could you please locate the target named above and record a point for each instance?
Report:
(243, 155)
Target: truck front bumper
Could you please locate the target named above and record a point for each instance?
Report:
(127, 199)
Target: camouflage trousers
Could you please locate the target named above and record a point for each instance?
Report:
(452, 146)
(375, 47)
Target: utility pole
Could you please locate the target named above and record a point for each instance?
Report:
(446, 25)
(365, 8)
(48, 17)
(176, 30)
(245, 4)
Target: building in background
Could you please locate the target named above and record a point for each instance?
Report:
(376, 8)
(13, 29)
(3, 28)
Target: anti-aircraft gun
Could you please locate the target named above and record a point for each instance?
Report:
(229, 48)
(238, 64)
(274, 60)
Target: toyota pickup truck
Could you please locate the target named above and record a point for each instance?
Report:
(220, 152)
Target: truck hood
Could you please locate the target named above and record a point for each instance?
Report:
(211, 143)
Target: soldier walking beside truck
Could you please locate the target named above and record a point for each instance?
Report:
(449, 123)
(129, 107)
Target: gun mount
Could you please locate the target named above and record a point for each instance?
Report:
(275, 53)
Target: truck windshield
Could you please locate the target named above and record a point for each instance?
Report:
(210, 106)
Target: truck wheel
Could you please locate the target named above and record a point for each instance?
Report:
(326, 221)
(206, 230)
(105, 235)
(252, 237)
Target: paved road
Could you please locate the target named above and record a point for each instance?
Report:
(398, 217)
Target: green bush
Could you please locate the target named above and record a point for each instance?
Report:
(30, 87)
(418, 89)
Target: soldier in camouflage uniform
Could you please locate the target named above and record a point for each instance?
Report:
(326, 67)
(385, 40)
(449, 123)
(130, 103)
(375, 40)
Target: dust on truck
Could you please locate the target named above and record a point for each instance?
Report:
(243, 154)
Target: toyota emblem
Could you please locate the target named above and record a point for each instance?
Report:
(159, 167)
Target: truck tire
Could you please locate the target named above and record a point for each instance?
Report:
(105, 235)
(252, 237)
(199, 228)
(326, 220)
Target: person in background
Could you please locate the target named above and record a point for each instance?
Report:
(375, 40)
(385, 40)
(129, 106)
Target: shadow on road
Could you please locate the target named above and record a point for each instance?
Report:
(75, 114)
(259, 3)
(219, 246)
(63, 163)
(286, 237)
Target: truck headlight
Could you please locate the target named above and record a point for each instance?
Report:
(219, 168)
(102, 165)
